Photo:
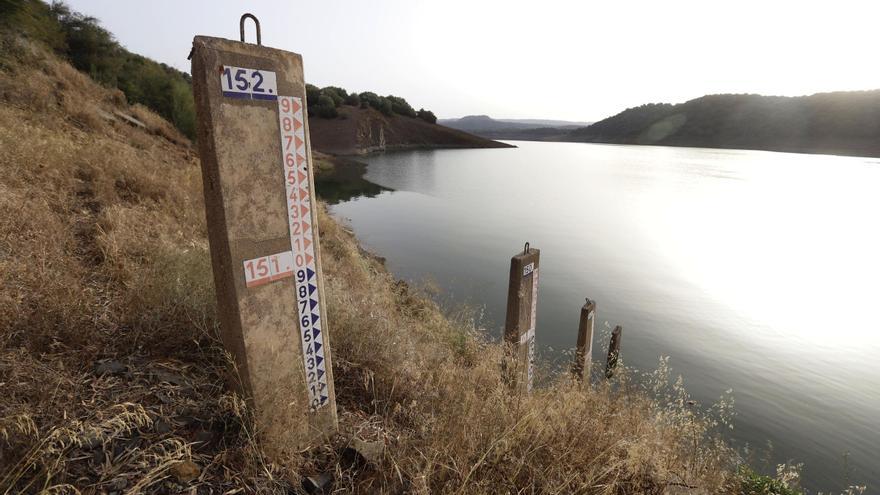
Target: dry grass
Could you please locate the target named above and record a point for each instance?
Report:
(113, 380)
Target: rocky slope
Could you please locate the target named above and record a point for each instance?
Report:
(365, 130)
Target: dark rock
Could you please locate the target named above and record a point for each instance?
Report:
(203, 439)
(172, 378)
(318, 483)
(91, 441)
(110, 367)
(161, 427)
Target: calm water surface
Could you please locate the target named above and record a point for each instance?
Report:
(755, 271)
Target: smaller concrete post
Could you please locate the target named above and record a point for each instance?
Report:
(519, 328)
(583, 358)
(613, 351)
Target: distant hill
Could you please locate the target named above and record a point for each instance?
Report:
(528, 129)
(846, 123)
(359, 130)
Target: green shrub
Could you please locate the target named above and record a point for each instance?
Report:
(325, 108)
(337, 94)
(312, 95)
(427, 115)
(752, 483)
(400, 106)
(353, 100)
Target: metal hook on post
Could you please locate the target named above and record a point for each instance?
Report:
(526, 248)
(256, 24)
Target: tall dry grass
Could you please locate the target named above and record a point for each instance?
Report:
(113, 379)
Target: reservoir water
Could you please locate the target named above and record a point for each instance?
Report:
(754, 271)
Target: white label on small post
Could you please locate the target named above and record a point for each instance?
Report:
(528, 269)
(259, 271)
(532, 321)
(299, 206)
(238, 82)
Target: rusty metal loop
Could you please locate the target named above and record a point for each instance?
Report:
(256, 23)
(526, 248)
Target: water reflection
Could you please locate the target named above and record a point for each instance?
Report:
(754, 270)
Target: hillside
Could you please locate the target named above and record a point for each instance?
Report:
(360, 130)
(846, 123)
(114, 379)
(522, 129)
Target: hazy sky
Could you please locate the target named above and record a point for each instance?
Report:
(576, 60)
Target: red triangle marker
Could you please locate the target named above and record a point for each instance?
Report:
(306, 243)
(306, 226)
(297, 141)
(308, 258)
(297, 125)
(303, 194)
(300, 159)
(302, 177)
(303, 210)
(296, 106)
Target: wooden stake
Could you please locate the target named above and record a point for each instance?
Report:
(583, 358)
(613, 351)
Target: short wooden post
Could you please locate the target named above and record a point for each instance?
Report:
(613, 351)
(583, 358)
(519, 328)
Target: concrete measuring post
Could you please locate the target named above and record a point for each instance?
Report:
(262, 226)
(519, 327)
(583, 357)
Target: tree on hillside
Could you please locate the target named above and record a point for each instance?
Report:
(353, 99)
(427, 115)
(312, 95)
(325, 108)
(400, 106)
(337, 94)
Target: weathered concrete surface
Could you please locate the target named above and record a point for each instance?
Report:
(583, 357)
(519, 328)
(246, 209)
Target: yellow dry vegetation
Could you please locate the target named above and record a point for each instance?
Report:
(112, 378)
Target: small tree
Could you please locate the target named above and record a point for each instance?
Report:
(427, 115)
(353, 100)
(312, 95)
(400, 106)
(325, 108)
(336, 93)
(384, 105)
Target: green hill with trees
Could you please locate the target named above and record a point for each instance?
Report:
(90, 48)
(846, 123)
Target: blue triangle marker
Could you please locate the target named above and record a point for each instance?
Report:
(323, 399)
(317, 346)
(312, 288)
(314, 318)
(316, 332)
(319, 360)
(312, 303)
(310, 273)
(320, 374)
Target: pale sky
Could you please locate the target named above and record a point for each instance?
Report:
(573, 60)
